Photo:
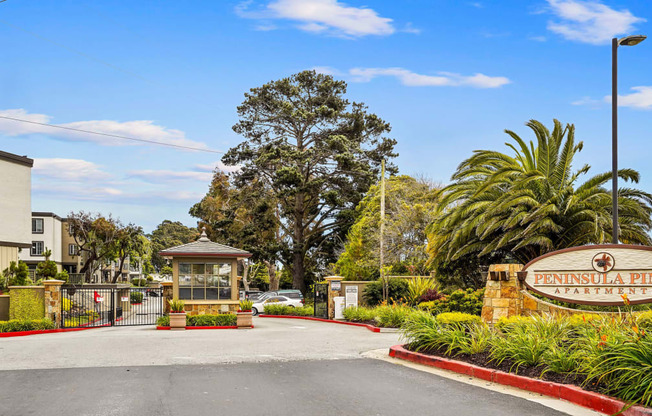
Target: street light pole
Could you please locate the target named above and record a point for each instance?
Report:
(614, 139)
(615, 42)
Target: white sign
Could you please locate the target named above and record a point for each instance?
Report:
(339, 307)
(124, 298)
(593, 275)
(351, 296)
(336, 285)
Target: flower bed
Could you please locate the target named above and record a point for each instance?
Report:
(606, 355)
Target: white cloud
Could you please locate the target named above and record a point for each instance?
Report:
(158, 176)
(442, 79)
(218, 165)
(138, 129)
(319, 16)
(590, 21)
(68, 169)
(640, 99)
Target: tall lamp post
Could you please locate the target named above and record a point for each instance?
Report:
(615, 42)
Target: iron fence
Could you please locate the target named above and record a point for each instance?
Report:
(96, 306)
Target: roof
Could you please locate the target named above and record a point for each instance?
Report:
(204, 248)
(21, 160)
(47, 214)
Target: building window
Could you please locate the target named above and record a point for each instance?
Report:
(37, 248)
(205, 281)
(70, 229)
(37, 225)
(72, 250)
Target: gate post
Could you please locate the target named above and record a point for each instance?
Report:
(502, 295)
(53, 300)
(334, 289)
(168, 294)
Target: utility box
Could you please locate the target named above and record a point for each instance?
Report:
(339, 307)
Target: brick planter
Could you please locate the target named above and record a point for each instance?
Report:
(177, 321)
(244, 319)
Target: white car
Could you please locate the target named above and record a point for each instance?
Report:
(259, 307)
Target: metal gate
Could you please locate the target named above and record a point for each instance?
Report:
(142, 306)
(95, 306)
(321, 300)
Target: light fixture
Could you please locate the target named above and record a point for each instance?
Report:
(631, 40)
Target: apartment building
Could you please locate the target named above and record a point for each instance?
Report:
(15, 206)
(46, 235)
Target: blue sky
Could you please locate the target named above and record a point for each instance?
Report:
(448, 75)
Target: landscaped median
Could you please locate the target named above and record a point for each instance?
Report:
(581, 359)
(221, 321)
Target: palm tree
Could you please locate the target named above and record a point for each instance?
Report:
(530, 203)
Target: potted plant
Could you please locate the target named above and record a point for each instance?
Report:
(177, 314)
(244, 314)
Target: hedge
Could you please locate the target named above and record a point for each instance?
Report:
(18, 325)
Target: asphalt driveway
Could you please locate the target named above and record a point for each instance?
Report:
(281, 367)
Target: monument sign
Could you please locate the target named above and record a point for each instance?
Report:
(593, 274)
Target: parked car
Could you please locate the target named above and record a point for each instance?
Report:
(290, 293)
(253, 295)
(259, 306)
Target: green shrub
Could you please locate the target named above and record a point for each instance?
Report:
(139, 282)
(136, 297)
(62, 275)
(644, 320)
(392, 316)
(624, 367)
(504, 323)
(163, 320)
(26, 304)
(457, 318)
(279, 309)
(176, 305)
(417, 287)
(225, 319)
(359, 314)
(149, 278)
(466, 301)
(245, 305)
(17, 325)
(373, 292)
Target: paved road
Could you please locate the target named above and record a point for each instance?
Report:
(281, 367)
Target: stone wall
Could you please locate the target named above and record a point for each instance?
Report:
(506, 296)
(4, 307)
(168, 294)
(210, 308)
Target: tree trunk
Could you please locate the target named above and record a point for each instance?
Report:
(119, 271)
(245, 274)
(273, 278)
(298, 268)
(298, 272)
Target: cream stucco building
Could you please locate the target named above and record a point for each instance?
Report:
(15, 206)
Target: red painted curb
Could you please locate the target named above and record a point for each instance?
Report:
(165, 328)
(310, 318)
(568, 392)
(42, 331)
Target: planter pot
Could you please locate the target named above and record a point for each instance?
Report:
(177, 320)
(244, 319)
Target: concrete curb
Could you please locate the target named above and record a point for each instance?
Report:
(310, 318)
(570, 393)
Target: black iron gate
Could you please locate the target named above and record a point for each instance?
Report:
(321, 300)
(100, 306)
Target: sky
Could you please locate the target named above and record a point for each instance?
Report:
(448, 75)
